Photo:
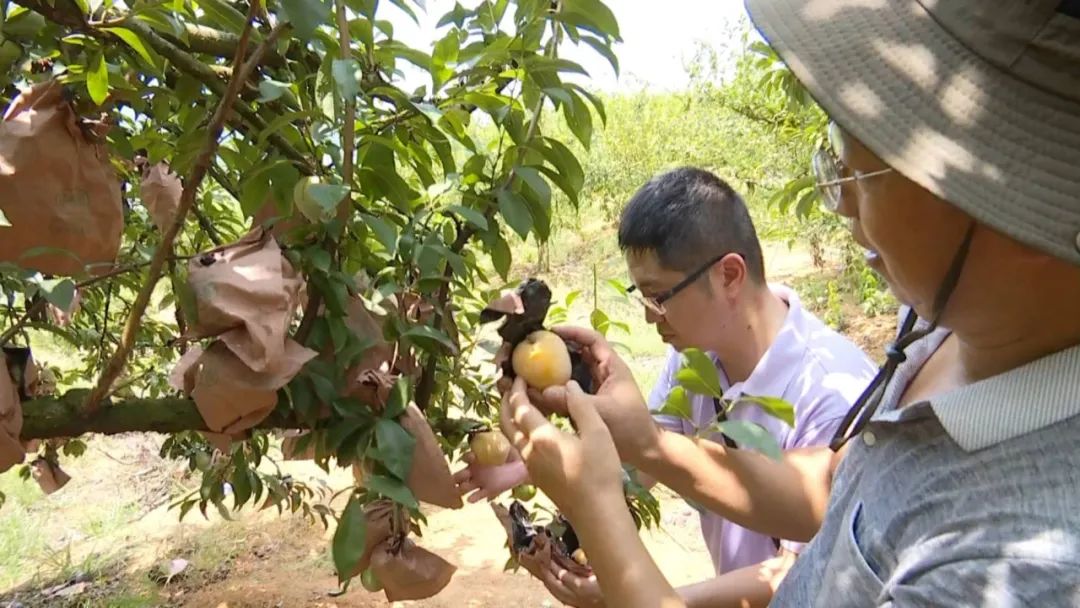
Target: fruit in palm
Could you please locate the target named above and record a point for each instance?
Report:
(542, 359)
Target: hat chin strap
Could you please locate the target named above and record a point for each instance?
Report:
(867, 404)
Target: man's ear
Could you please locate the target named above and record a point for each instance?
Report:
(731, 273)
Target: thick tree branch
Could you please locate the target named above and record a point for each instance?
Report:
(187, 200)
(63, 416)
(199, 70)
(209, 41)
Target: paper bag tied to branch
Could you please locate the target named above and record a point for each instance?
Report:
(246, 294)
(429, 478)
(11, 450)
(408, 571)
(160, 191)
(48, 475)
(230, 396)
(57, 188)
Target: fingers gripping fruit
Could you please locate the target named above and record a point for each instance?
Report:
(542, 360)
(491, 448)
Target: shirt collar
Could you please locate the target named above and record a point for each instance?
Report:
(781, 361)
(1028, 398)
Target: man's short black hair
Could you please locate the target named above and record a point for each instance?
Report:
(688, 216)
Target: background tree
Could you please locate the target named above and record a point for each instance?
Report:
(294, 115)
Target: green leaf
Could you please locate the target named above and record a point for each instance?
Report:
(677, 404)
(699, 374)
(350, 539)
(501, 257)
(470, 215)
(347, 74)
(395, 446)
(97, 80)
(751, 435)
(328, 196)
(402, 4)
(516, 211)
(58, 292)
(427, 337)
(392, 489)
(604, 49)
(564, 161)
(270, 89)
(385, 232)
(305, 16)
(774, 406)
(593, 15)
(535, 181)
(132, 39)
(579, 119)
(457, 16)
(241, 485)
(599, 321)
(319, 258)
(594, 100)
(398, 399)
(443, 56)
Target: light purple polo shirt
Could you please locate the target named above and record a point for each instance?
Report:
(820, 372)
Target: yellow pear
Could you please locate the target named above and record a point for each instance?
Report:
(491, 448)
(542, 359)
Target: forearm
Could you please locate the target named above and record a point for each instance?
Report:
(750, 587)
(786, 499)
(625, 571)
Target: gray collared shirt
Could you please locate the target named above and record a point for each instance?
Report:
(972, 499)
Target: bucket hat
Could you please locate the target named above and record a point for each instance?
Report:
(978, 101)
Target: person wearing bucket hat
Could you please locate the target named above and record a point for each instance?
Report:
(954, 153)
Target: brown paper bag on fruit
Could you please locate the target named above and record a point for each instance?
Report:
(57, 188)
(380, 525)
(408, 571)
(11, 450)
(160, 190)
(48, 475)
(245, 294)
(429, 478)
(289, 447)
(232, 397)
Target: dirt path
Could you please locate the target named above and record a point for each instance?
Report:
(286, 565)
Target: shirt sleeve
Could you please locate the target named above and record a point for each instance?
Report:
(660, 391)
(817, 429)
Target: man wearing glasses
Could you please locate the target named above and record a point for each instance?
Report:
(698, 269)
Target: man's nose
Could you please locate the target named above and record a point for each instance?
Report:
(652, 317)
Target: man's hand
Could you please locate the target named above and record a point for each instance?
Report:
(490, 482)
(573, 471)
(572, 589)
(618, 399)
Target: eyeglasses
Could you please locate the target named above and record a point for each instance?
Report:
(828, 167)
(656, 303)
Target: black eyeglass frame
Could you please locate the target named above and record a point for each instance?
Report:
(656, 303)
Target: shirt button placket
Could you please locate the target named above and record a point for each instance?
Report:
(869, 438)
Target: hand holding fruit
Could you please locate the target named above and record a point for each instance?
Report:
(572, 470)
(617, 399)
(487, 481)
